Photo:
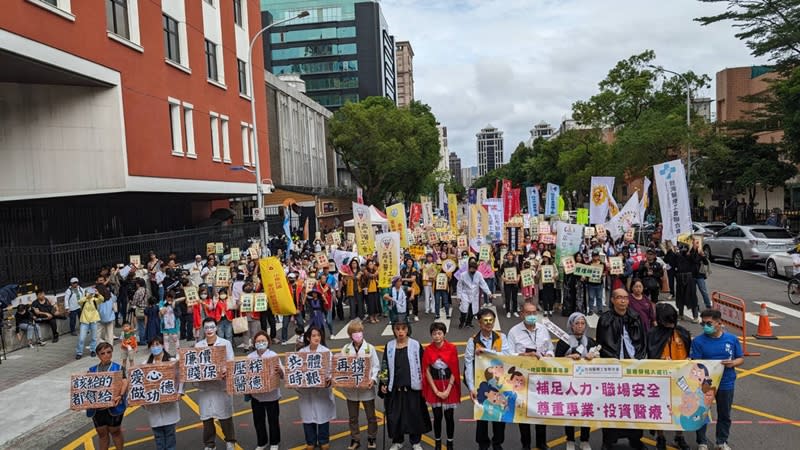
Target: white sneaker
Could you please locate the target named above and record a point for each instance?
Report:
(396, 447)
(516, 314)
(416, 318)
(261, 447)
(702, 447)
(416, 447)
(508, 315)
(585, 446)
(570, 445)
(230, 446)
(208, 448)
(724, 446)
(273, 447)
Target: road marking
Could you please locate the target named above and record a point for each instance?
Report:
(444, 320)
(753, 318)
(767, 415)
(755, 274)
(342, 334)
(387, 331)
(782, 309)
(762, 367)
(776, 378)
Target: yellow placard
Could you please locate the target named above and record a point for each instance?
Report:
(452, 209)
(388, 257)
(396, 215)
(219, 247)
(365, 235)
(276, 287)
(236, 254)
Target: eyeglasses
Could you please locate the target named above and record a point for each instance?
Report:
(488, 320)
(710, 324)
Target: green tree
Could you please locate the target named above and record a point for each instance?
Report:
(388, 150)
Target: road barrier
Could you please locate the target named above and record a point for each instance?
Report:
(733, 312)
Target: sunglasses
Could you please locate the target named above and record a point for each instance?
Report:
(710, 324)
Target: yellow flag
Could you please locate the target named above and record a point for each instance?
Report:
(276, 287)
(452, 206)
(396, 214)
(388, 257)
(365, 235)
(479, 222)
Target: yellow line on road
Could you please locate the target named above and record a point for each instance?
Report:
(86, 440)
(766, 415)
(773, 363)
(196, 408)
(776, 378)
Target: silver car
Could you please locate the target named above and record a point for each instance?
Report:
(707, 228)
(780, 264)
(747, 244)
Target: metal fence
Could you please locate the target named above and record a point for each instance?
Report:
(51, 266)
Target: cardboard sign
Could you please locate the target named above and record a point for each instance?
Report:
(201, 364)
(252, 376)
(417, 251)
(510, 274)
(219, 247)
(191, 295)
(307, 369)
(309, 284)
(568, 263)
(547, 238)
(432, 236)
(461, 242)
(351, 372)
(589, 232)
(597, 274)
(135, 260)
(548, 273)
(236, 254)
(441, 282)
(321, 259)
(412, 238)
(94, 390)
(329, 239)
(601, 230)
(260, 302)
(429, 272)
(449, 266)
(150, 384)
(253, 252)
(223, 276)
(484, 253)
(211, 248)
(583, 270)
(544, 228)
(527, 277)
(246, 301)
(617, 266)
(351, 237)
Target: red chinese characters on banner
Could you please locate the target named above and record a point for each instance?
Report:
(415, 214)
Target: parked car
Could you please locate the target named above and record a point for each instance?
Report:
(707, 228)
(779, 264)
(747, 244)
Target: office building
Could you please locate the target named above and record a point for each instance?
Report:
(455, 167)
(405, 73)
(469, 175)
(541, 130)
(342, 49)
(444, 153)
(490, 149)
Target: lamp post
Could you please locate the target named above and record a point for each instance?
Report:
(262, 230)
(688, 120)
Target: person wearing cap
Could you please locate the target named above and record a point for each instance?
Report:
(651, 273)
(547, 290)
(71, 296)
(491, 342)
(594, 290)
(396, 297)
(470, 284)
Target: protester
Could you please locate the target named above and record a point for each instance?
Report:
(511, 279)
(107, 422)
(362, 397)
(105, 326)
(470, 284)
(594, 289)
(170, 324)
(406, 411)
(717, 344)
(163, 416)
(492, 342)
(137, 306)
(441, 383)
(685, 264)
(411, 282)
(298, 292)
(703, 271)
(651, 272)
(397, 299)
(442, 296)
(487, 270)
(44, 313)
(226, 314)
(369, 286)
(317, 406)
(89, 319)
(23, 319)
(642, 305)
(547, 289)
(71, 297)
(266, 407)
(212, 396)
(352, 295)
(429, 272)
(152, 320)
(531, 340)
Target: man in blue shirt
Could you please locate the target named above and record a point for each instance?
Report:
(716, 344)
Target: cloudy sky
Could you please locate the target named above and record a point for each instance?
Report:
(513, 63)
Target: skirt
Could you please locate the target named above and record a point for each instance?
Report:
(407, 413)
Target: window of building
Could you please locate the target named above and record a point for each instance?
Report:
(210, 2)
(175, 126)
(117, 18)
(62, 8)
(226, 141)
(211, 61)
(332, 83)
(188, 127)
(314, 50)
(312, 35)
(237, 12)
(246, 144)
(52, 2)
(242, 69)
(172, 47)
(215, 136)
(317, 67)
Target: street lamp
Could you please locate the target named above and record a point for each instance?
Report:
(688, 120)
(262, 230)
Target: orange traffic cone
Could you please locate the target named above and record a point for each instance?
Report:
(764, 327)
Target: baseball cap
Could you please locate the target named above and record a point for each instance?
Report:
(73, 280)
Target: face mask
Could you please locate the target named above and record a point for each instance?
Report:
(223, 297)
(155, 350)
(204, 296)
(530, 320)
(357, 337)
(708, 329)
(261, 346)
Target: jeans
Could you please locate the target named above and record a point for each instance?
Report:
(225, 329)
(427, 294)
(441, 301)
(32, 331)
(141, 330)
(724, 405)
(595, 292)
(90, 328)
(329, 319)
(490, 284)
(317, 433)
(701, 286)
(73, 319)
(165, 437)
(298, 318)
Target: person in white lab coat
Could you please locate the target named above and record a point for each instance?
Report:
(163, 416)
(265, 406)
(317, 406)
(365, 397)
(213, 398)
(470, 283)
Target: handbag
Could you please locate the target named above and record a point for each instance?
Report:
(705, 269)
(139, 312)
(239, 324)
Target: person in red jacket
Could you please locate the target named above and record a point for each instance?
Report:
(327, 299)
(441, 384)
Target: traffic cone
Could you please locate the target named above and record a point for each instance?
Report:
(764, 327)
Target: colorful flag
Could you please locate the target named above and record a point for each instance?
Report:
(472, 195)
(601, 190)
(583, 216)
(481, 196)
(287, 231)
(628, 217)
(442, 198)
(415, 214)
(515, 207)
(673, 198)
(276, 287)
(494, 207)
(508, 197)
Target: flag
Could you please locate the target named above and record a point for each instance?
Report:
(628, 216)
(273, 278)
(532, 192)
(495, 209)
(645, 199)
(287, 231)
(515, 207)
(472, 195)
(673, 198)
(561, 204)
(496, 181)
(427, 211)
(601, 189)
(415, 214)
(582, 216)
(551, 200)
(613, 208)
(359, 196)
(388, 246)
(478, 225)
(396, 215)
(452, 207)
(508, 197)
(481, 196)
(442, 198)
(365, 235)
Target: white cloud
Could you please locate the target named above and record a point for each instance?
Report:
(513, 63)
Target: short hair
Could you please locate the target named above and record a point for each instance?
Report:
(666, 314)
(102, 346)
(485, 312)
(438, 326)
(125, 323)
(262, 333)
(209, 320)
(155, 340)
(711, 313)
(354, 327)
(530, 302)
(39, 291)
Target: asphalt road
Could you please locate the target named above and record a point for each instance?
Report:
(765, 405)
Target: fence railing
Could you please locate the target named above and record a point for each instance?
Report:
(51, 266)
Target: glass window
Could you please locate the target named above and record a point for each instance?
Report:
(314, 34)
(332, 83)
(317, 67)
(313, 50)
(52, 2)
(334, 99)
(211, 60)
(242, 69)
(117, 17)
(237, 12)
(172, 48)
(770, 233)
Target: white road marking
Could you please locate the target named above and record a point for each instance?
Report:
(342, 334)
(387, 331)
(782, 309)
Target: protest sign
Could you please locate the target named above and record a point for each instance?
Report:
(547, 239)
(260, 303)
(223, 276)
(351, 372)
(307, 369)
(510, 274)
(583, 270)
(568, 263)
(309, 284)
(449, 266)
(191, 295)
(252, 376)
(527, 278)
(485, 252)
(432, 236)
(597, 274)
(201, 364)
(276, 288)
(246, 301)
(602, 393)
(617, 266)
(219, 248)
(253, 252)
(364, 234)
(441, 281)
(600, 229)
(236, 254)
(150, 384)
(589, 232)
(396, 215)
(544, 228)
(417, 251)
(513, 237)
(321, 259)
(548, 273)
(388, 246)
(211, 248)
(452, 210)
(135, 260)
(94, 390)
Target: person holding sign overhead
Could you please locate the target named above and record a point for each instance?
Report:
(213, 398)
(265, 406)
(364, 397)
(107, 422)
(162, 416)
(317, 405)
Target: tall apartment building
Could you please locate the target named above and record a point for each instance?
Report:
(405, 73)
(342, 49)
(455, 167)
(444, 153)
(469, 175)
(123, 117)
(490, 149)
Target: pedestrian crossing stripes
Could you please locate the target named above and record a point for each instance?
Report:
(781, 309)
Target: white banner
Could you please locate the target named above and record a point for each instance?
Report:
(602, 187)
(480, 196)
(495, 208)
(644, 199)
(442, 199)
(673, 198)
(427, 214)
(627, 217)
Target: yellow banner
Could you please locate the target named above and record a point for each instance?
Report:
(479, 222)
(603, 393)
(276, 287)
(388, 257)
(452, 207)
(396, 214)
(365, 235)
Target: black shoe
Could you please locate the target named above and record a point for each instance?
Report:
(460, 326)
(437, 444)
(680, 442)
(74, 333)
(78, 356)
(661, 443)
(55, 339)
(469, 325)
(93, 354)
(371, 443)
(354, 444)
(638, 445)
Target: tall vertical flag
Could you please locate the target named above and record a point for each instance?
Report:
(396, 215)
(427, 211)
(508, 197)
(673, 198)
(645, 202)
(287, 231)
(481, 196)
(388, 246)
(478, 225)
(532, 192)
(515, 207)
(452, 207)
(472, 195)
(494, 206)
(359, 196)
(627, 217)
(601, 189)
(442, 198)
(551, 200)
(414, 215)
(365, 235)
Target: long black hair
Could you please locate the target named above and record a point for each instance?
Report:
(307, 335)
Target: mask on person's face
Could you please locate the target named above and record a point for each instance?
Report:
(261, 346)
(156, 350)
(530, 320)
(709, 329)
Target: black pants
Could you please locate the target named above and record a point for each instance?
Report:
(510, 292)
(611, 435)
(268, 319)
(355, 306)
(525, 435)
(122, 307)
(653, 294)
(266, 414)
(671, 281)
(447, 414)
(686, 293)
(187, 325)
(570, 431)
(414, 302)
(482, 434)
(53, 326)
(466, 318)
(73, 319)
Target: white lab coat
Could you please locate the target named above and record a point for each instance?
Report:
(316, 404)
(213, 398)
(363, 395)
(468, 288)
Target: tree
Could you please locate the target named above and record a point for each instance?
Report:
(388, 150)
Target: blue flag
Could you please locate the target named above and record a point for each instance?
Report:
(532, 192)
(551, 202)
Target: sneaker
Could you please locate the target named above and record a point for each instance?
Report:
(354, 444)
(585, 446)
(261, 447)
(696, 320)
(590, 313)
(436, 317)
(416, 318)
(273, 447)
(396, 447)
(30, 345)
(702, 447)
(447, 317)
(516, 314)
(40, 343)
(723, 446)
(416, 447)
(93, 354)
(570, 445)
(371, 444)
(680, 442)
(508, 315)
(230, 446)
(81, 356)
